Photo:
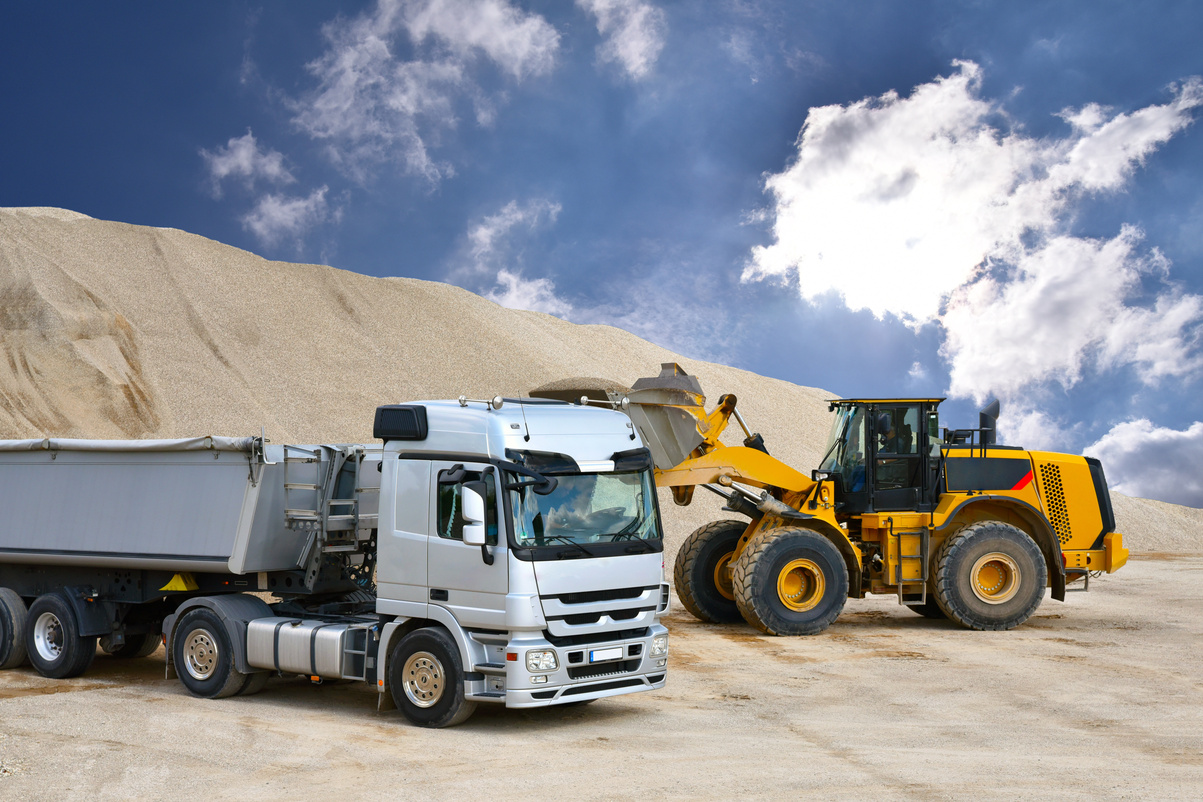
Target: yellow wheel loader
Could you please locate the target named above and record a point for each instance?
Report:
(948, 520)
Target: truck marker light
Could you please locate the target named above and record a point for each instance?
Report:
(511, 657)
(380, 682)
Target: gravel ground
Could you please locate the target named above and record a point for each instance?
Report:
(1100, 697)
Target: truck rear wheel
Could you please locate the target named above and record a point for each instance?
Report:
(426, 678)
(56, 649)
(990, 576)
(13, 616)
(136, 646)
(204, 656)
(790, 582)
(702, 572)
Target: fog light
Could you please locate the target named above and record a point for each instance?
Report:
(661, 662)
(541, 661)
(659, 645)
(539, 680)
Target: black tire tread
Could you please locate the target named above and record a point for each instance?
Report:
(947, 594)
(459, 709)
(750, 599)
(234, 680)
(12, 608)
(78, 651)
(688, 557)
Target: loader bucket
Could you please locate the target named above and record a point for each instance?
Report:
(666, 410)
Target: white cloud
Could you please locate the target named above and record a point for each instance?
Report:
(373, 106)
(276, 217)
(1149, 461)
(537, 295)
(242, 158)
(933, 208)
(633, 33)
(490, 235)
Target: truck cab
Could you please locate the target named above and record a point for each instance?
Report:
(527, 530)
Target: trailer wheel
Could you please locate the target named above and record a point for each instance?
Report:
(204, 657)
(13, 616)
(56, 649)
(790, 582)
(990, 576)
(136, 646)
(426, 679)
(702, 572)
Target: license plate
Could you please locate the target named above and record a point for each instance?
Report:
(599, 655)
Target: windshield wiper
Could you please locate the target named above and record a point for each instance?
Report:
(570, 542)
(623, 534)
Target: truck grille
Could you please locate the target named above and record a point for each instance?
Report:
(604, 669)
(1054, 500)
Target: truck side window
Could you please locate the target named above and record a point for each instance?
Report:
(451, 523)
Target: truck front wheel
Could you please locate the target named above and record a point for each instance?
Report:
(990, 575)
(13, 616)
(426, 678)
(790, 582)
(702, 572)
(56, 649)
(204, 656)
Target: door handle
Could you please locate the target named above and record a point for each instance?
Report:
(438, 594)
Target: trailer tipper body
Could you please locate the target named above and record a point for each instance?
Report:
(497, 551)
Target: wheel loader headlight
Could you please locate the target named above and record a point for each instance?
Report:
(541, 661)
(659, 646)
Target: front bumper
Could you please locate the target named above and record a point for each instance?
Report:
(1110, 558)
(576, 679)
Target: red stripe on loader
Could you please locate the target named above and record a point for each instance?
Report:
(1024, 482)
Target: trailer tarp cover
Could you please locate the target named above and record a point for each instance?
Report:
(185, 444)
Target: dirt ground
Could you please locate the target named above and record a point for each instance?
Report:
(1099, 697)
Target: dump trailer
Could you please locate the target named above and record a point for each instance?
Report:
(500, 551)
(952, 523)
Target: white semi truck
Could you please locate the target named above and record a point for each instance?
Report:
(505, 551)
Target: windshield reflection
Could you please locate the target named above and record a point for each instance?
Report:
(587, 508)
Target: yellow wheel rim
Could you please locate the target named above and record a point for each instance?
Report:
(801, 585)
(722, 577)
(995, 578)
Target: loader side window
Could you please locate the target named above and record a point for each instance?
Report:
(451, 523)
(898, 467)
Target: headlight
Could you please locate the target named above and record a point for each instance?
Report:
(541, 661)
(659, 646)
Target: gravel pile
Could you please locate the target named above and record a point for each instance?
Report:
(113, 330)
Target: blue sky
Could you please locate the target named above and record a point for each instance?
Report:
(974, 199)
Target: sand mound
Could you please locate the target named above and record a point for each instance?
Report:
(115, 330)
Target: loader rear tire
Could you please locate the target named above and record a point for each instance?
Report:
(702, 572)
(790, 582)
(990, 576)
(56, 649)
(13, 617)
(204, 656)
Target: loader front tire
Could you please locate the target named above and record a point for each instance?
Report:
(702, 572)
(790, 582)
(990, 576)
(13, 617)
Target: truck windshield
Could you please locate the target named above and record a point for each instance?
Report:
(845, 455)
(587, 508)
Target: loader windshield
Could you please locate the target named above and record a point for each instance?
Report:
(586, 509)
(845, 454)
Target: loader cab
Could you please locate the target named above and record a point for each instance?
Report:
(883, 454)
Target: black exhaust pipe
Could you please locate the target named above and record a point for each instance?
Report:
(987, 421)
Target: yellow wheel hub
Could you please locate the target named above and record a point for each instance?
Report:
(722, 577)
(801, 585)
(995, 578)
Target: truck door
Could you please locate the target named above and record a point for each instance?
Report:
(460, 578)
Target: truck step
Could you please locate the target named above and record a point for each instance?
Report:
(488, 695)
(300, 486)
(490, 668)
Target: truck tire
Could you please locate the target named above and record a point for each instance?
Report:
(790, 582)
(255, 682)
(204, 656)
(56, 649)
(990, 576)
(426, 679)
(702, 572)
(13, 616)
(136, 646)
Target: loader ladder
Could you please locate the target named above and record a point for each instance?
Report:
(911, 567)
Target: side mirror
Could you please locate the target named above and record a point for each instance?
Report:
(472, 504)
